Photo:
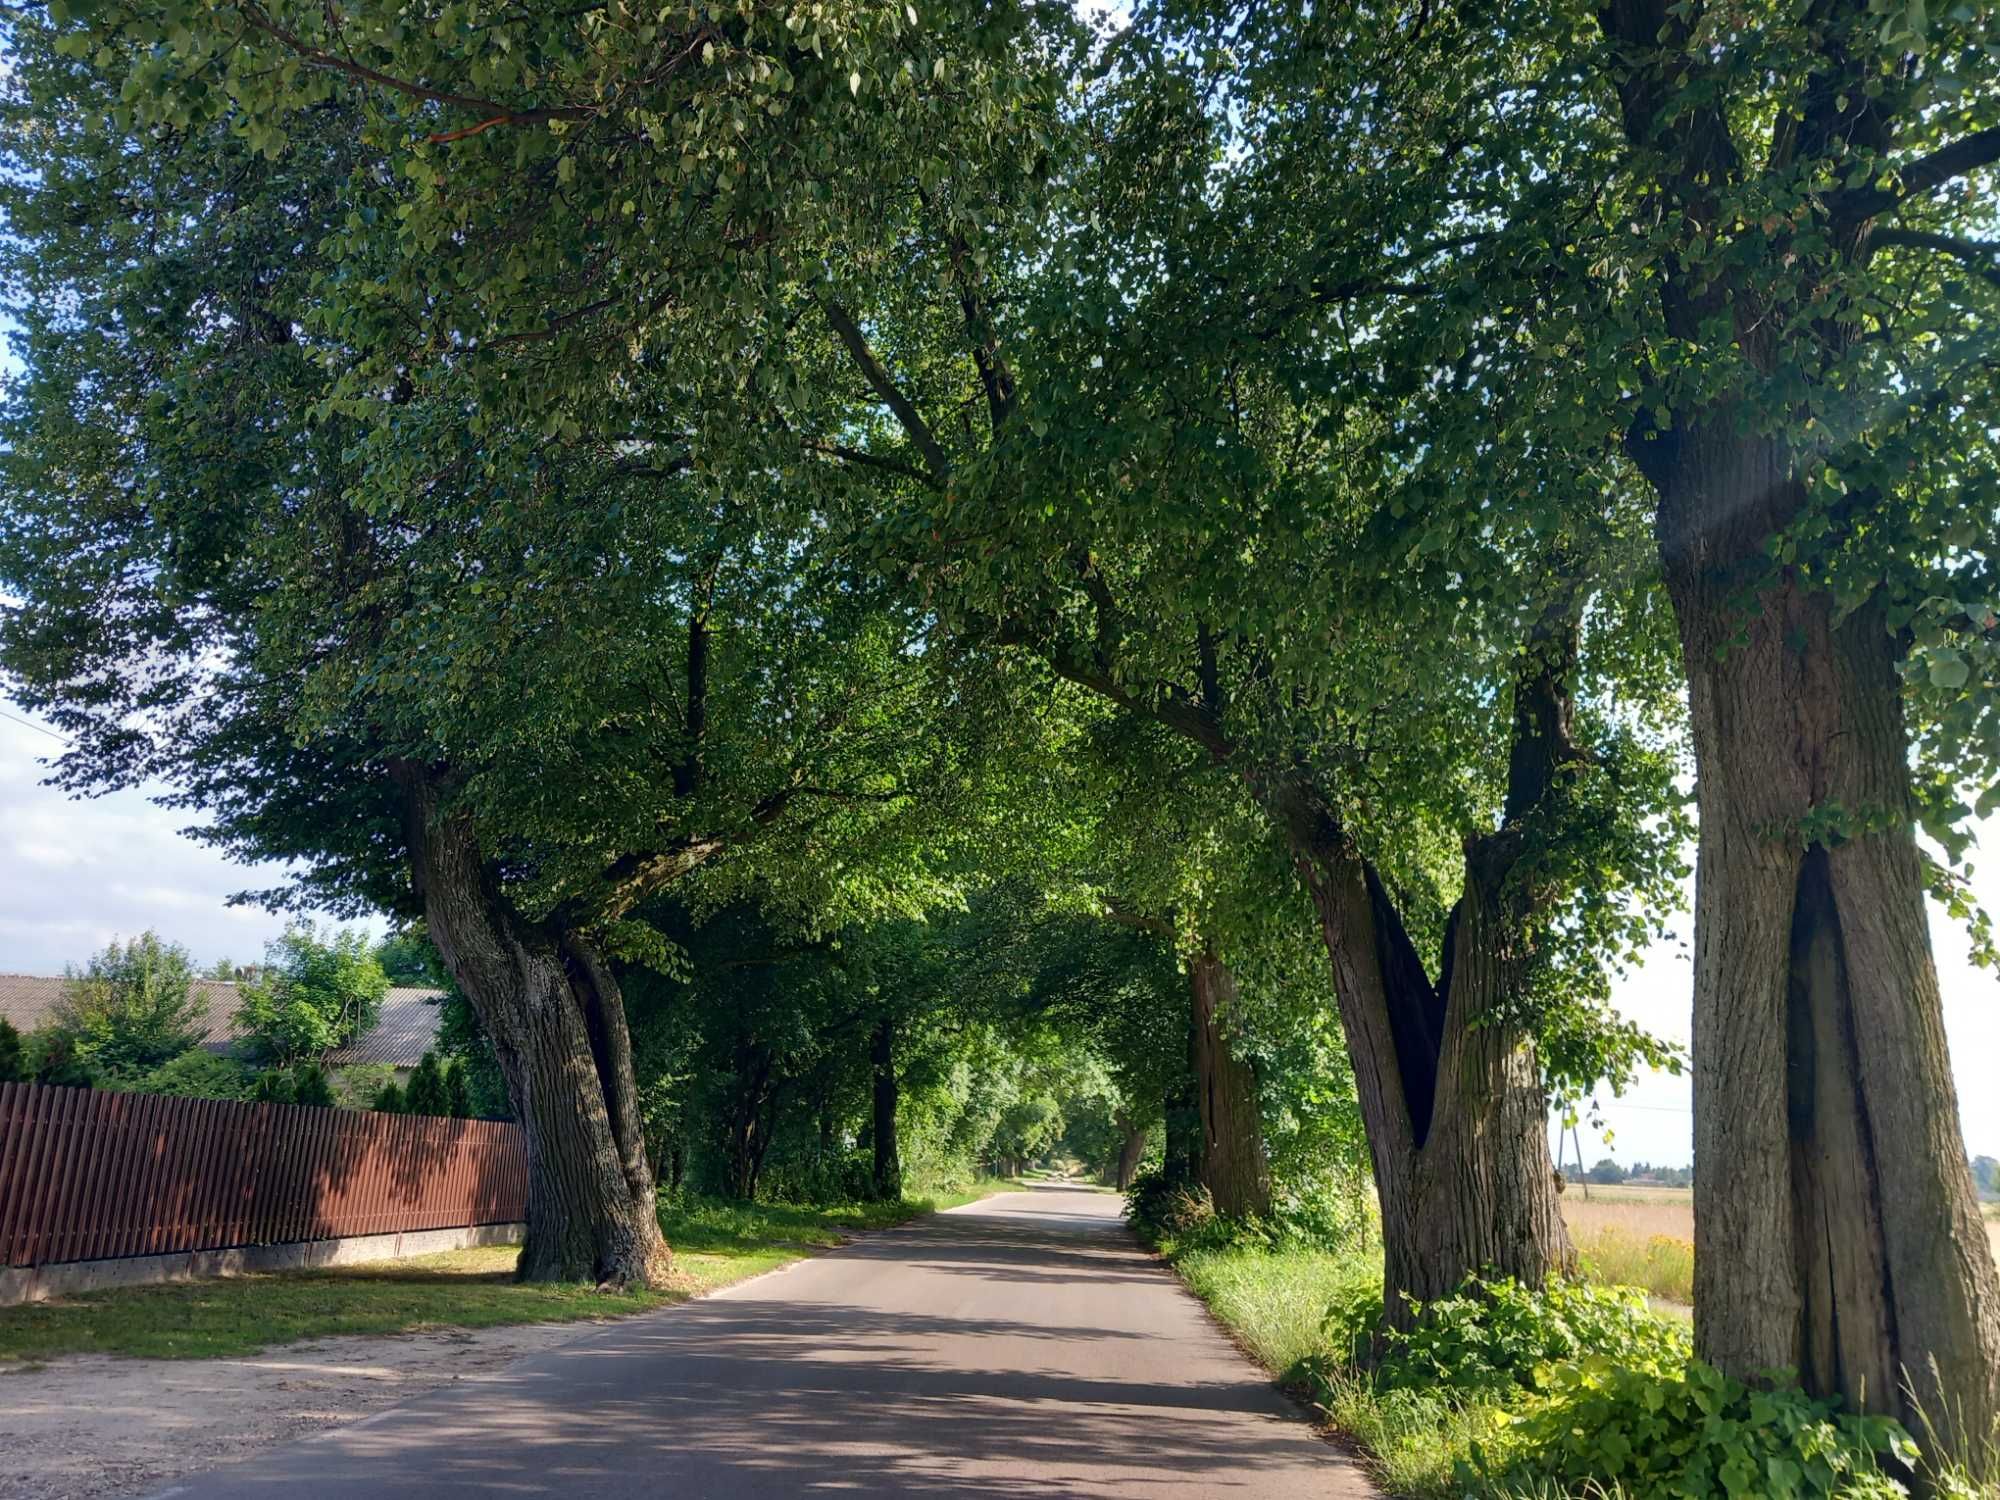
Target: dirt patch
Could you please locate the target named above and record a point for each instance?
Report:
(95, 1425)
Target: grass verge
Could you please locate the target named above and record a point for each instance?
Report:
(715, 1244)
(1288, 1306)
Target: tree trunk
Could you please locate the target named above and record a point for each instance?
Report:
(1233, 1168)
(746, 1126)
(1450, 1089)
(1458, 1131)
(1836, 1228)
(556, 1019)
(888, 1161)
(1131, 1151)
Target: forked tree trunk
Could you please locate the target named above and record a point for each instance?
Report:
(1836, 1228)
(1457, 1126)
(1233, 1168)
(888, 1159)
(557, 1021)
(1449, 1086)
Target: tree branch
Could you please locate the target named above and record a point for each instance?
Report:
(1982, 257)
(885, 386)
(258, 19)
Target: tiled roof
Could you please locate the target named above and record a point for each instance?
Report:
(407, 1028)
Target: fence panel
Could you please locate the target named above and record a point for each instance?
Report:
(89, 1175)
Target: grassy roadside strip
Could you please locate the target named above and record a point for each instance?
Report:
(1276, 1302)
(715, 1244)
(1628, 1381)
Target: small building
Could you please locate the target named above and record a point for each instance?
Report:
(406, 1029)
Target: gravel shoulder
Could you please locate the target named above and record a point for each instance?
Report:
(94, 1425)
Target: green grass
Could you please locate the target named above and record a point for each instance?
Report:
(1660, 1264)
(715, 1244)
(1276, 1303)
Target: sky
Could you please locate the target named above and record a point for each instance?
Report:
(74, 874)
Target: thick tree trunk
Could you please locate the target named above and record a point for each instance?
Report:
(557, 1022)
(1466, 1185)
(1131, 1151)
(1233, 1168)
(888, 1160)
(1836, 1228)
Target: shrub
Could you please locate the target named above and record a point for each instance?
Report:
(305, 1084)
(1690, 1431)
(389, 1100)
(198, 1075)
(52, 1058)
(1169, 1205)
(427, 1093)
(1493, 1335)
(13, 1056)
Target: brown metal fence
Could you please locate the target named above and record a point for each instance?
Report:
(92, 1176)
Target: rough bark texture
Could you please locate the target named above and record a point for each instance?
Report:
(1449, 1087)
(1233, 1167)
(557, 1021)
(888, 1159)
(1131, 1151)
(1836, 1228)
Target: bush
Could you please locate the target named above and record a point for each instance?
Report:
(1169, 1205)
(13, 1056)
(426, 1093)
(305, 1084)
(198, 1075)
(1492, 1336)
(389, 1100)
(1690, 1431)
(52, 1059)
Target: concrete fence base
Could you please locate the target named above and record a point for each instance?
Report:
(20, 1284)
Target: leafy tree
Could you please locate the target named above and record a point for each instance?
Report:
(408, 957)
(1986, 1173)
(133, 1006)
(1605, 1171)
(426, 1092)
(313, 996)
(1745, 295)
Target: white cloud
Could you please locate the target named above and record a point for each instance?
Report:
(75, 873)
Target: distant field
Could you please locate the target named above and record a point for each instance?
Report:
(1644, 1236)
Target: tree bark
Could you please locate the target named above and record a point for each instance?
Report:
(557, 1021)
(888, 1159)
(1233, 1168)
(1449, 1086)
(1131, 1151)
(1836, 1228)
(1450, 1089)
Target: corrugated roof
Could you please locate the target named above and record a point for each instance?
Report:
(407, 1029)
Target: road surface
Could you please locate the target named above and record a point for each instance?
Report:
(1021, 1346)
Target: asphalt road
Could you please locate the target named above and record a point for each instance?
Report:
(1022, 1346)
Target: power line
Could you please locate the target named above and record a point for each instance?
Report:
(31, 724)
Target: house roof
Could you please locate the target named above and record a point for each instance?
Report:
(407, 1028)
